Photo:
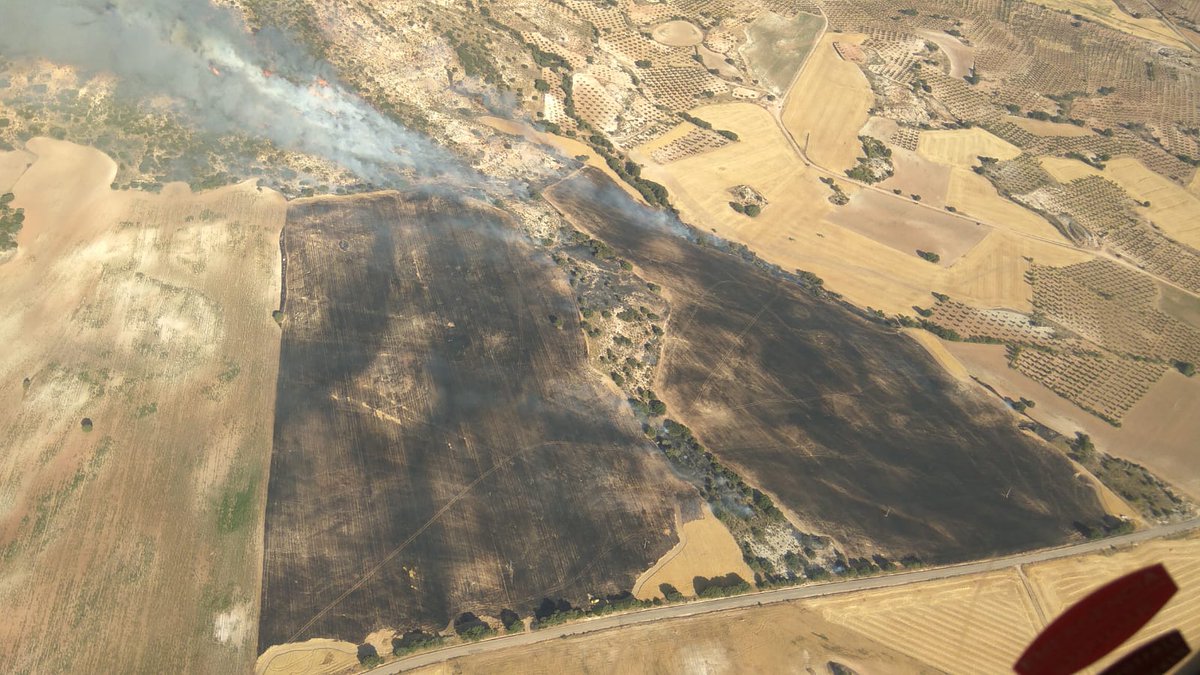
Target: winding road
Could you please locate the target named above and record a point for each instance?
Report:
(699, 607)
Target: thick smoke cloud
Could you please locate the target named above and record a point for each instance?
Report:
(226, 79)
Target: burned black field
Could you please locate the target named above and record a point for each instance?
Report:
(440, 446)
(852, 426)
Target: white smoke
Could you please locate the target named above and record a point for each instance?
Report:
(227, 80)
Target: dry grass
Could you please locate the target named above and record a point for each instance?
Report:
(136, 546)
(1109, 13)
(705, 548)
(828, 105)
(964, 147)
(1060, 583)
(1065, 170)
(978, 623)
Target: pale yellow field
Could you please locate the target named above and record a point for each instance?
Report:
(1108, 13)
(678, 131)
(1172, 208)
(1065, 169)
(1048, 128)
(1061, 583)
(975, 624)
(938, 351)
(318, 656)
(828, 104)
(782, 638)
(964, 147)
(993, 273)
(1194, 186)
(705, 548)
(975, 196)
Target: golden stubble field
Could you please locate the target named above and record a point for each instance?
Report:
(867, 249)
(828, 104)
(705, 548)
(976, 623)
(134, 546)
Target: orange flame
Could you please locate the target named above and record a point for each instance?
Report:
(322, 82)
(215, 71)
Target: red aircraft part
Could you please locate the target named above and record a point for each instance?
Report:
(1098, 624)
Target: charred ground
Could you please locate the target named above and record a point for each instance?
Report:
(440, 445)
(853, 427)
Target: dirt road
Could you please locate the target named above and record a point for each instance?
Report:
(778, 595)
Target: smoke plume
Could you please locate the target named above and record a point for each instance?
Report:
(227, 80)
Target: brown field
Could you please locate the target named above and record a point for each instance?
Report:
(705, 548)
(787, 637)
(1048, 128)
(871, 266)
(828, 104)
(135, 547)
(1159, 432)
(1060, 583)
(915, 174)
(908, 227)
(788, 231)
(963, 147)
(1179, 304)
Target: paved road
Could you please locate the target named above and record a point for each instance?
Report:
(770, 597)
